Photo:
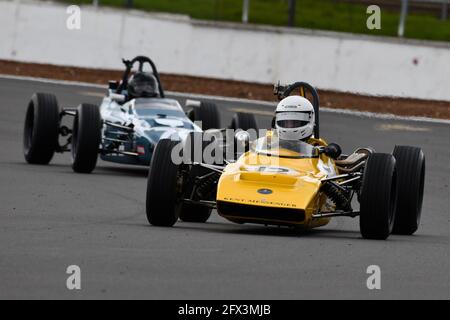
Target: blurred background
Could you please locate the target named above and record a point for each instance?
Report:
(240, 48)
(422, 19)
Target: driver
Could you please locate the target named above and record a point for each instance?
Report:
(143, 85)
(295, 120)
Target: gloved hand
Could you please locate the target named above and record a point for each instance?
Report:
(333, 151)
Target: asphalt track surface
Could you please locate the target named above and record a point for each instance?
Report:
(51, 218)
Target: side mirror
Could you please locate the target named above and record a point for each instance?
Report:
(333, 150)
(119, 98)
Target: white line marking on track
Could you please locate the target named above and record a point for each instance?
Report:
(400, 127)
(221, 98)
(384, 116)
(254, 111)
(92, 94)
(348, 112)
(53, 81)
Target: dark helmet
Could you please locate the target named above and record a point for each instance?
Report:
(143, 85)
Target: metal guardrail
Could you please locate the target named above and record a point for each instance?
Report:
(405, 10)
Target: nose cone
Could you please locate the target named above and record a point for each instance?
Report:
(268, 190)
(267, 199)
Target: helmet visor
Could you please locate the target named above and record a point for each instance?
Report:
(143, 85)
(144, 88)
(291, 124)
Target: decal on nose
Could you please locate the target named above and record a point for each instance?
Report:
(265, 191)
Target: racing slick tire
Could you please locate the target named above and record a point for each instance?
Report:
(378, 197)
(208, 114)
(41, 129)
(195, 213)
(201, 147)
(162, 206)
(411, 180)
(244, 121)
(86, 138)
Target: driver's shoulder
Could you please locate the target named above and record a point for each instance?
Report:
(316, 142)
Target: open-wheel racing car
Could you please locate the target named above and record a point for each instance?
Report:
(291, 182)
(133, 117)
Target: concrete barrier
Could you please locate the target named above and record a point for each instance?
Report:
(36, 32)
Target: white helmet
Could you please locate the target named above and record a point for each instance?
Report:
(294, 119)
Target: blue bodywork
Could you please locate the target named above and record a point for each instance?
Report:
(141, 123)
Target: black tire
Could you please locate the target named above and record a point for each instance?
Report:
(196, 145)
(411, 181)
(195, 213)
(193, 148)
(86, 138)
(378, 197)
(208, 114)
(162, 203)
(41, 129)
(244, 121)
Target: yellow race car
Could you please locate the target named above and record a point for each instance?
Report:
(279, 182)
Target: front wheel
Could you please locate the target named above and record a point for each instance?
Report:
(411, 181)
(41, 130)
(86, 136)
(195, 213)
(163, 186)
(378, 197)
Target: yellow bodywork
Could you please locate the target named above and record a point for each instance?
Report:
(266, 182)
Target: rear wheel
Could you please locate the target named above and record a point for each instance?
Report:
(86, 136)
(244, 121)
(163, 187)
(378, 197)
(41, 130)
(208, 114)
(411, 181)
